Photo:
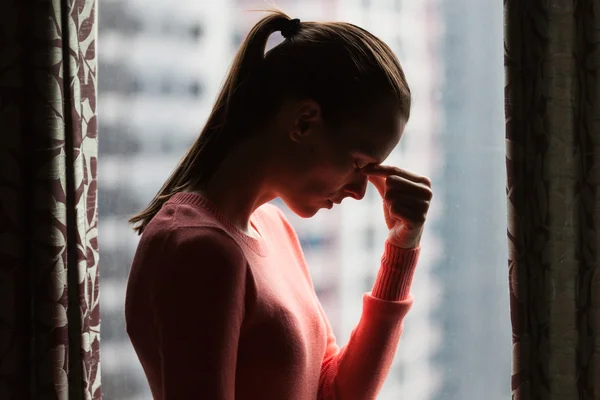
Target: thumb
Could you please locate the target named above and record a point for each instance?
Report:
(379, 183)
(377, 176)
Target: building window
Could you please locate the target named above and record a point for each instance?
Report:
(166, 86)
(116, 140)
(195, 32)
(195, 89)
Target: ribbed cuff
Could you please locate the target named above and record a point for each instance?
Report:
(395, 275)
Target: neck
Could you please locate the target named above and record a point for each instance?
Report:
(240, 185)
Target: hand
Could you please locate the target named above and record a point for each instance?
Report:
(406, 197)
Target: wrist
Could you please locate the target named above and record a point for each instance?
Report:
(395, 275)
(397, 257)
(407, 241)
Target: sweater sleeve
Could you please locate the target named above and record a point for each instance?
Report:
(358, 370)
(201, 285)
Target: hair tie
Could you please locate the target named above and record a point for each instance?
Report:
(292, 27)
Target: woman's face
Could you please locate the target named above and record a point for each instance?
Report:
(327, 161)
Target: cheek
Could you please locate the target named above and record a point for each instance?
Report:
(329, 169)
(328, 179)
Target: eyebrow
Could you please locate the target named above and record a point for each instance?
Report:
(370, 156)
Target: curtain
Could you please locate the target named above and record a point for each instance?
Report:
(552, 56)
(49, 315)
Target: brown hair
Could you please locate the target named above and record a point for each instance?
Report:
(339, 65)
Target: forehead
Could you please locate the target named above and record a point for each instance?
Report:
(377, 134)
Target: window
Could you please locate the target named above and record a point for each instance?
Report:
(195, 31)
(195, 89)
(118, 141)
(115, 15)
(166, 86)
(456, 343)
(116, 77)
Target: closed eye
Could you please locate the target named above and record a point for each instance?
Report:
(365, 165)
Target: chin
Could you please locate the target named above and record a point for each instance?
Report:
(303, 210)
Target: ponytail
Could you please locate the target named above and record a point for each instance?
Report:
(203, 158)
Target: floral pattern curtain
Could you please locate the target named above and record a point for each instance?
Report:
(49, 315)
(552, 56)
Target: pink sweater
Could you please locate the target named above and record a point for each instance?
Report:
(215, 314)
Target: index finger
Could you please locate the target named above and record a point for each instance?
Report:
(387, 170)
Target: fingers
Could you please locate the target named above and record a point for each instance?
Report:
(387, 170)
(406, 196)
(393, 186)
(397, 186)
(412, 213)
(379, 183)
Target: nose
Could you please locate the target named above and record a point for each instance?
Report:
(357, 188)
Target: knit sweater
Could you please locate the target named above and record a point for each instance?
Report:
(216, 314)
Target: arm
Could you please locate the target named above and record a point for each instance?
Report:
(358, 370)
(199, 308)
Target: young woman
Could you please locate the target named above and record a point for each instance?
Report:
(220, 304)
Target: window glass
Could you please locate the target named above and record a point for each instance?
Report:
(161, 65)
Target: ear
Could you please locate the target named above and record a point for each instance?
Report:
(307, 117)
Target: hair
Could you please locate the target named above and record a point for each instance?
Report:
(342, 67)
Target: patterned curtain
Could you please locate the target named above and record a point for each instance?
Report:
(49, 315)
(552, 56)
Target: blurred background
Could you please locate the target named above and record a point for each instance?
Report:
(161, 65)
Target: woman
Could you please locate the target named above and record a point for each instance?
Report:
(220, 304)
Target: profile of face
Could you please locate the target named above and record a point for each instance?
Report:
(323, 162)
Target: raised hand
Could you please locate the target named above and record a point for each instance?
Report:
(406, 197)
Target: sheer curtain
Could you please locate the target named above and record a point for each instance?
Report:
(49, 316)
(552, 135)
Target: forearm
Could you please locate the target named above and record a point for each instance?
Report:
(365, 361)
(359, 370)
(396, 272)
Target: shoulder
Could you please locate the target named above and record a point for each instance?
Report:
(205, 262)
(180, 232)
(203, 244)
(200, 271)
(196, 252)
